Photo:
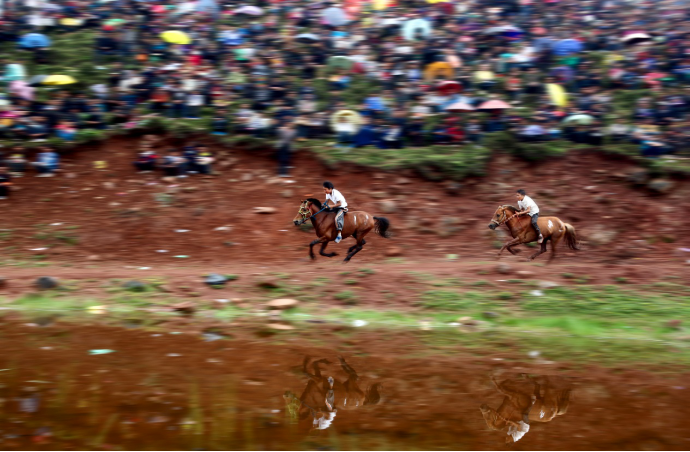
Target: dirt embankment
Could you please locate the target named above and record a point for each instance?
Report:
(116, 215)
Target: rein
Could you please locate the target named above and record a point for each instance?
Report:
(305, 213)
(506, 219)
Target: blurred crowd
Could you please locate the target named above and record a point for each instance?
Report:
(382, 73)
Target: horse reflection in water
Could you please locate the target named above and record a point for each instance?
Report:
(325, 395)
(526, 400)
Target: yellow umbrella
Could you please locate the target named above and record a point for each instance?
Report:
(347, 116)
(436, 1)
(557, 94)
(58, 80)
(175, 37)
(70, 21)
(438, 69)
(380, 4)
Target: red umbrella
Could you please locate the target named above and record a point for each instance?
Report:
(449, 87)
(494, 105)
(460, 106)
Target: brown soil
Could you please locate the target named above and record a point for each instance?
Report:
(96, 224)
(160, 391)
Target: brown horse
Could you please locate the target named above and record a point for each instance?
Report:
(324, 396)
(527, 399)
(520, 227)
(356, 224)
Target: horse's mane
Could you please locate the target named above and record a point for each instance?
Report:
(509, 207)
(316, 202)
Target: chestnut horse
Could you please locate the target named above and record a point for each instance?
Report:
(520, 227)
(356, 224)
(526, 400)
(324, 396)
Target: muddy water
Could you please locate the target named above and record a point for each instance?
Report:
(148, 390)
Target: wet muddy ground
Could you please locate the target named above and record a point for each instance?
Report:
(78, 387)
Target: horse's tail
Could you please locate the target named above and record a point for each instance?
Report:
(571, 237)
(382, 225)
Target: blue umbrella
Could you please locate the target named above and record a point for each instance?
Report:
(334, 16)
(566, 47)
(34, 40)
(411, 29)
(208, 6)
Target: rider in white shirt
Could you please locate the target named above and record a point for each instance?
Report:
(529, 207)
(337, 202)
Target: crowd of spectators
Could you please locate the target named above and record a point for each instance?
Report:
(285, 70)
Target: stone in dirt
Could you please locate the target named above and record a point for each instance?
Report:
(134, 286)
(490, 315)
(47, 282)
(186, 307)
(525, 274)
(265, 210)
(503, 269)
(268, 283)
(394, 251)
(214, 279)
(660, 186)
(282, 303)
(281, 326)
(388, 206)
(3, 282)
(547, 284)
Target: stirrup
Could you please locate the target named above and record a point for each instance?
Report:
(338, 238)
(540, 239)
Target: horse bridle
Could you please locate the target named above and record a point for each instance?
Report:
(306, 213)
(505, 219)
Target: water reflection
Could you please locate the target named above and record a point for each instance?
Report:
(527, 399)
(325, 394)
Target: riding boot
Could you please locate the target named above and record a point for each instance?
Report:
(540, 238)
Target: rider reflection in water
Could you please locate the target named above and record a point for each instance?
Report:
(527, 399)
(338, 203)
(324, 396)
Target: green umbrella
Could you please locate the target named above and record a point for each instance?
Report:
(340, 62)
(580, 119)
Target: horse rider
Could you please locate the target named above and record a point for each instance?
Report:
(339, 204)
(529, 207)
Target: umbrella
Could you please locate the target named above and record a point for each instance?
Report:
(34, 40)
(22, 89)
(449, 87)
(71, 22)
(494, 105)
(340, 62)
(307, 37)
(175, 37)
(349, 116)
(580, 119)
(37, 80)
(58, 80)
(557, 94)
(506, 30)
(460, 106)
(208, 6)
(635, 38)
(334, 16)
(566, 47)
(250, 10)
(438, 69)
(562, 72)
(381, 4)
(411, 29)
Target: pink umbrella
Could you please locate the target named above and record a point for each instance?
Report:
(494, 105)
(21, 89)
(250, 10)
(460, 106)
